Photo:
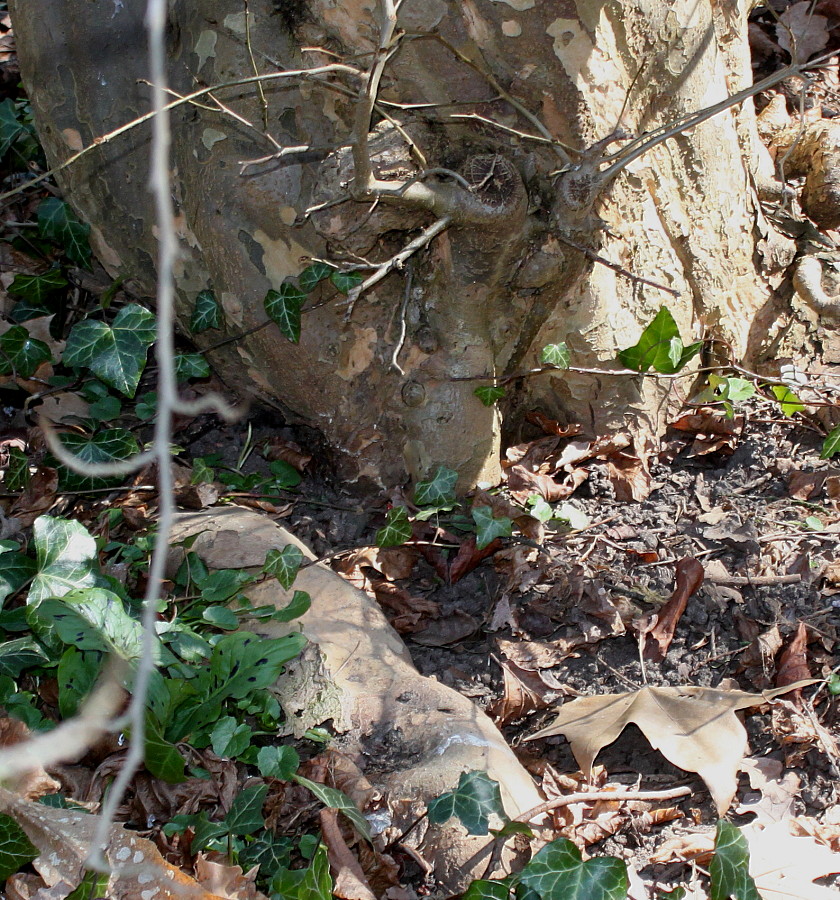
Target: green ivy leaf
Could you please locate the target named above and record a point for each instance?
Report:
(831, 445)
(439, 490)
(114, 353)
(36, 290)
(397, 528)
(161, 758)
(229, 738)
(312, 883)
(730, 866)
(191, 365)
(220, 617)
(108, 445)
(788, 401)
(556, 355)
(11, 128)
(283, 564)
(488, 528)
(222, 584)
(345, 281)
(271, 852)
(15, 570)
(21, 354)
(94, 619)
(472, 802)
(57, 222)
(482, 889)
(313, 275)
(243, 663)
(278, 762)
(146, 406)
(105, 408)
(660, 347)
(558, 871)
(16, 477)
(245, 813)
(20, 654)
(207, 313)
(488, 394)
(283, 307)
(66, 558)
(294, 609)
(16, 849)
(336, 799)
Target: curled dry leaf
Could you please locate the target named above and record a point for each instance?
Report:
(776, 792)
(64, 837)
(225, 880)
(34, 784)
(793, 662)
(695, 728)
(658, 631)
(524, 692)
(349, 882)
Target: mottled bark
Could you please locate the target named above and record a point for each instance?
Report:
(495, 286)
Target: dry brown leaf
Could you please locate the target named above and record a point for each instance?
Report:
(349, 882)
(784, 867)
(36, 783)
(629, 476)
(695, 728)
(658, 633)
(38, 497)
(534, 655)
(776, 795)
(793, 662)
(225, 880)
(447, 630)
(800, 32)
(290, 452)
(63, 838)
(758, 661)
(524, 692)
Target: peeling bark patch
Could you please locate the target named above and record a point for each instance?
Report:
(205, 47)
(288, 215)
(571, 46)
(510, 28)
(357, 353)
(72, 138)
(281, 258)
(255, 251)
(212, 136)
(519, 5)
(235, 22)
(232, 306)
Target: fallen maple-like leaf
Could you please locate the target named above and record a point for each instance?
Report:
(64, 838)
(695, 728)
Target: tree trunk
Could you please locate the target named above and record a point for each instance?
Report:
(529, 104)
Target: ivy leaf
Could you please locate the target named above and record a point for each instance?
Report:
(730, 866)
(190, 365)
(220, 617)
(488, 394)
(242, 663)
(439, 490)
(16, 850)
(16, 476)
(660, 347)
(397, 528)
(11, 128)
(161, 758)
(283, 307)
(19, 654)
(482, 889)
(313, 275)
(472, 802)
(15, 570)
(271, 852)
(57, 222)
(94, 619)
(222, 584)
(488, 528)
(108, 445)
(345, 281)
(336, 799)
(558, 871)
(21, 354)
(230, 738)
(284, 564)
(37, 289)
(114, 353)
(788, 401)
(296, 607)
(312, 883)
(66, 558)
(245, 813)
(278, 762)
(831, 445)
(207, 313)
(556, 355)
(105, 408)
